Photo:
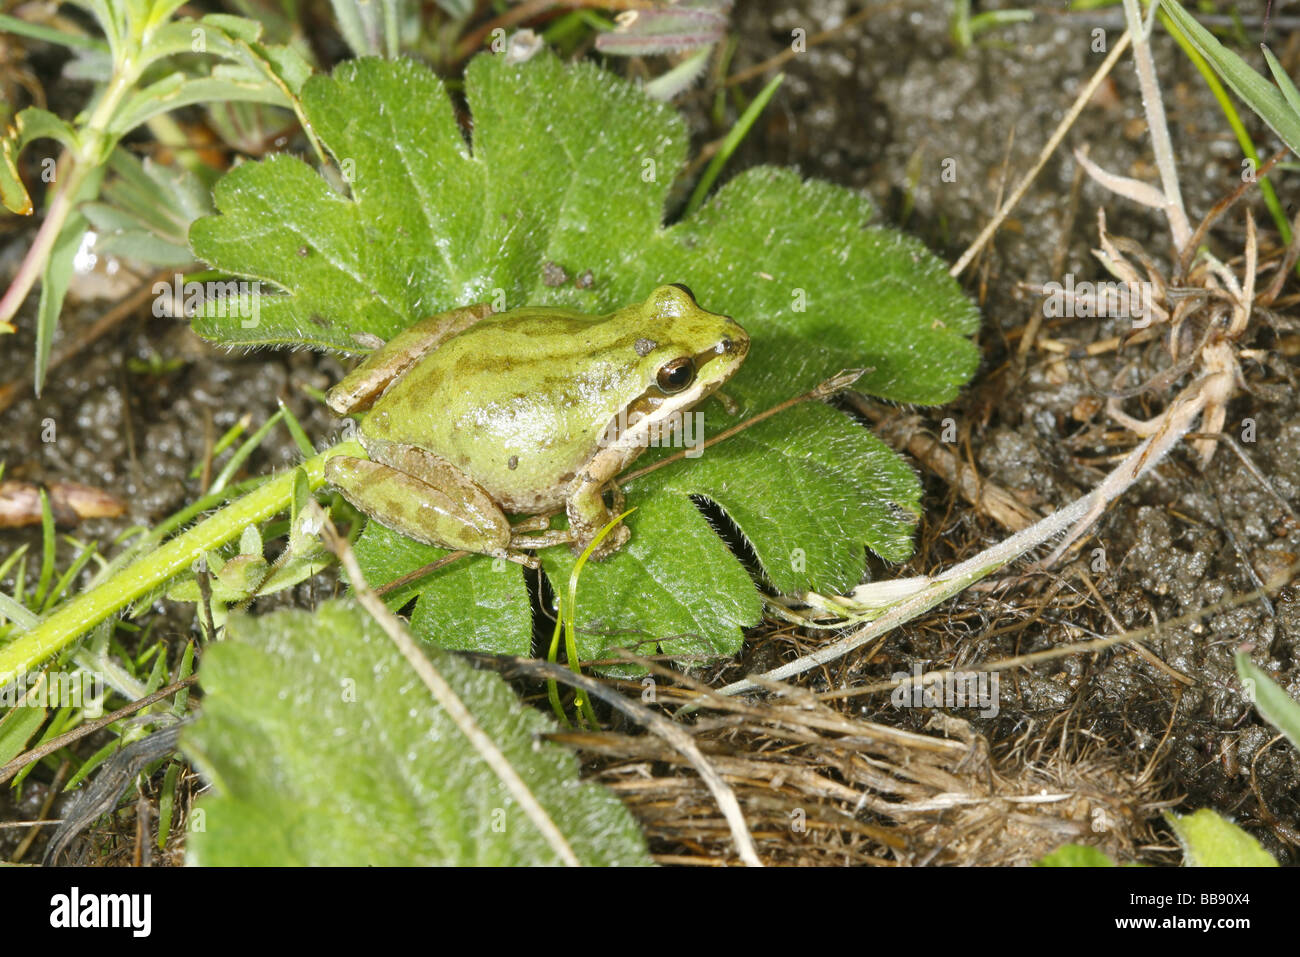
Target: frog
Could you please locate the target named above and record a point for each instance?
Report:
(473, 415)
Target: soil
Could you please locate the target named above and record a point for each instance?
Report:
(887, 106)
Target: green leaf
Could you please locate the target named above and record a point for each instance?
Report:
(17, 727)
(31, 124)
(470, 604)
(325, 749)
(146, 210)
(1210, 840)
(225, 83)
(54, 286)
(1266, 100)
(1075, 855)
(572, 167)
(1278, 708)
(13, 192)
(370, 27)
(39, 31)
(1283, 81)
(34, 123)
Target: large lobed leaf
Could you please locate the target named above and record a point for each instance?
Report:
(572, 167)
(324, 748)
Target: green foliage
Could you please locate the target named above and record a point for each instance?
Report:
(572, 167)
(1075, 855)
(146, 209)
(1271, 700)
(1210, 840)
(1275, 106)
(324, 748)
(154, 64)
(964, 27)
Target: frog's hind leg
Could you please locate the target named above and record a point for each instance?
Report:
(421, 496)
(367, 382)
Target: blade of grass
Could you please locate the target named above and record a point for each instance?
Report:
(85, 555)
(167, 802)
(732, 141)
(1283, 81)
(553, 656)
(570, 632)
(243, 452)
(19, 614)
(1278, 708)
(228, 438)
(49, 546)
(297, 431)
(1234, 121)
(1261, 96)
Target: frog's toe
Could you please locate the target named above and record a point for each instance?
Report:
(618, 537)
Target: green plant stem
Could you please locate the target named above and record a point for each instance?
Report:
(77, 616)
(38, 255)
(76, 166)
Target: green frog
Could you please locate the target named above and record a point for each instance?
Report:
(475, 415)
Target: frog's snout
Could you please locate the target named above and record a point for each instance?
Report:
(735, 340)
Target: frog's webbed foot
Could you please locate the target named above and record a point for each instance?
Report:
(589, 514)
(536, 531)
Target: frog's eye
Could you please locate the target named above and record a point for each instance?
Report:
(676, 375)
(684, 288)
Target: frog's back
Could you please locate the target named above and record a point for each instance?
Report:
(518, 402)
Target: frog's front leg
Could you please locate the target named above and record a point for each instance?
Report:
(586, 507)
(421, 496)
(359, 389)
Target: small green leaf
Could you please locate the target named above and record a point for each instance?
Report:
(54, 286)
(13, 192)
(1266, 100)
(225, 83)
(33, 123)
(17, 727)
(1210, 840)
(250, 542)
(1075, 855)
(324, 748)
(1278, 708)
(39, 31)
